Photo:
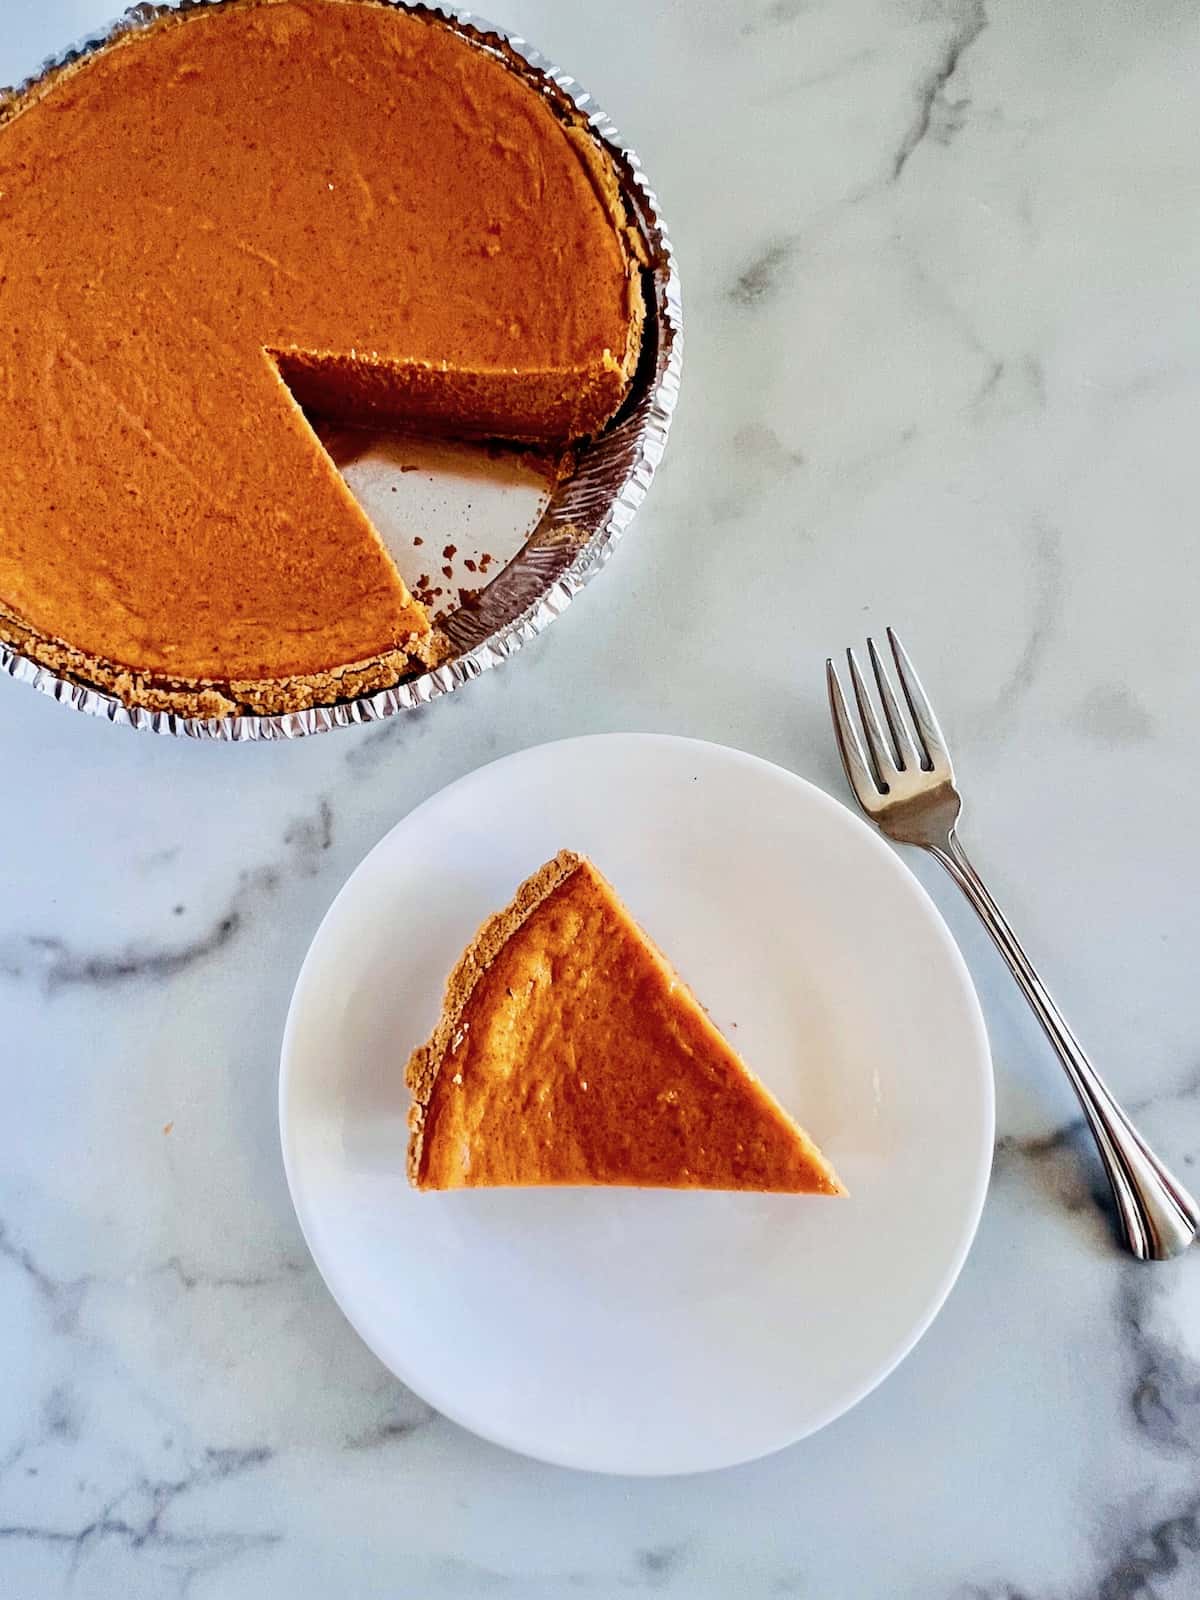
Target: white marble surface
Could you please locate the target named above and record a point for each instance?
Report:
(940, 268)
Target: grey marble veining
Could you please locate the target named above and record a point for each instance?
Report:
(943, 369)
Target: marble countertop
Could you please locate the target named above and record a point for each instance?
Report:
(940, 265)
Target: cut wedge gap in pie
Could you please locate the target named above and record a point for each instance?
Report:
(570, 1052)
(452, 513)
(240, 213)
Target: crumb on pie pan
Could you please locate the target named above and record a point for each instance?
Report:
(587, 512)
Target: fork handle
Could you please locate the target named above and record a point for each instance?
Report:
(1159, 1218)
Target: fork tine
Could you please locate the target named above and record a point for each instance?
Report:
(859, 774)
(909, 758)
(932, 736)
(882, 758)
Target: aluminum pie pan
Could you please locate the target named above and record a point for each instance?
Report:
(586, 515)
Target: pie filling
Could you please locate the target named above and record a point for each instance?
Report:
(238, 215)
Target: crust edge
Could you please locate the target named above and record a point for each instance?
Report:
(200, 697)
(425, 1062)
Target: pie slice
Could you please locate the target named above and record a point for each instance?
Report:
(569, 1051)
(243, 210)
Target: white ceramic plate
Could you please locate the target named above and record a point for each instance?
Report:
(632, 1330)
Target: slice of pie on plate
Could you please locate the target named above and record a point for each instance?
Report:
(569, 1051)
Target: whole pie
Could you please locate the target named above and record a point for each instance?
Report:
(238, 215)
(569, 1051)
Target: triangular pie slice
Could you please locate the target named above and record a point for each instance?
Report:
(570, 1052)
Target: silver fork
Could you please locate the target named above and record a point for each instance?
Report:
(904, 781)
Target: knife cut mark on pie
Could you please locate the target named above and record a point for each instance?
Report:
(231, 217)
(569, 1051)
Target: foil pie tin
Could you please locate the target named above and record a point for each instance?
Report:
(586, 514)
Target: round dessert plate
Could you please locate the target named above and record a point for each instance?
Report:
(646, 1331)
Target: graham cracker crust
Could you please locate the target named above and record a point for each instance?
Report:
(426, 1060)
(195, 697)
